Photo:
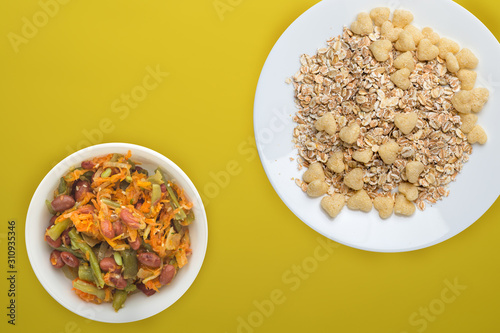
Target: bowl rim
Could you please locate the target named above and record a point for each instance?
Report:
(76, 158)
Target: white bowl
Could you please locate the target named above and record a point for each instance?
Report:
(137, 306)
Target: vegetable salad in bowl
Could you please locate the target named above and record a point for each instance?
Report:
(117, 230)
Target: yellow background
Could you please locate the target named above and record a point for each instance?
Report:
(61, 84)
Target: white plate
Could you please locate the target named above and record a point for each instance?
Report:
(476, 187)
(137, 306)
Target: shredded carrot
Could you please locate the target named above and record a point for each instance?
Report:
(180, 257)
(143, 184)
(87, 197)
(101, 159)
(87, 297)
(74, 175)
(107, 279)
(133, 234)
(85, 223)
(112, 179)
(183, 201)
(109, 295)
(153, 284)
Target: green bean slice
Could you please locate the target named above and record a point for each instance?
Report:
(70, 272)
(124, 185)
(63, 186)
(119, 299)
(177, 226)
(78, 242)
(118, 258)
(132, 164)
(89, 288)
(115, 157)
(181, 215)
(106, 173)
(130, 268)
(102, 251)
(73, 252)
(49, 207)
(110, 203)
(87, 176)
(57, 229)
(189, 219)
(148, 247)
(156, 178)
(155, 193)
(130, 288)
(85, 273)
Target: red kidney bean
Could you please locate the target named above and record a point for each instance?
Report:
(88, 164)
(167, 274)
(149, 259)
(65, 237)
(129, 219)
(81, 188)
(135, 245)
(69, 259)
(108, 264)
(53, 243)
(144, 289)
(52, 220)
(56, 260)
(118, 228)
(62, 202)
(107, 229)
(87, 209)
(118, 280)
(163, 188)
